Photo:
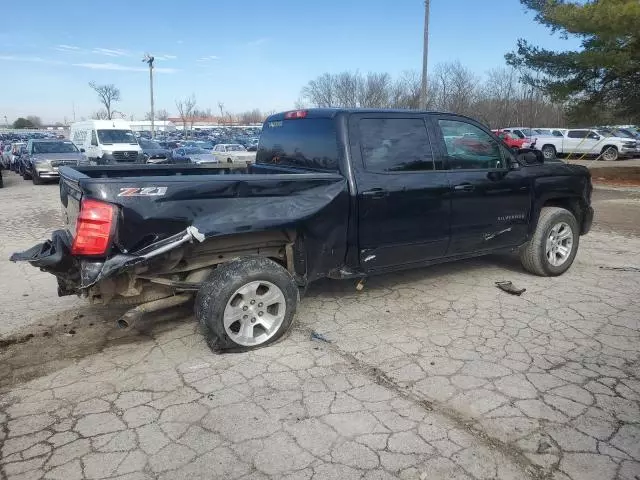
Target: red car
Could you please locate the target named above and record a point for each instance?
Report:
(511, 140)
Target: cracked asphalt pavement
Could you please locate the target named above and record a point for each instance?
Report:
(427, 374)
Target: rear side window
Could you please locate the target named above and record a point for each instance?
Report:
(395, 145)
(310, 143)
(577, 133)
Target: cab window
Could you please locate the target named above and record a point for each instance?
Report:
(470, 148)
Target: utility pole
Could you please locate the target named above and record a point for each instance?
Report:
(425, 53)
(149, 59)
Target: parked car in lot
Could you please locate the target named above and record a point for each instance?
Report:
(195, 155)
(106, 142)
(233, 152)
(334, 193)
(17, 150)
(548, 132)
(153, 152)
(6, 156)
(588, 142)
(43, 158)
(511, 140)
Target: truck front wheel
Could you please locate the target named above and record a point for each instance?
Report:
(247, 303)
(554, 244)
(549, 152)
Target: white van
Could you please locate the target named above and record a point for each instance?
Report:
(106, 142)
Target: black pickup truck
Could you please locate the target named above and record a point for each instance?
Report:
(334, 193)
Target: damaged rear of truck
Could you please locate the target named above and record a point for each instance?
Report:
(155, 236)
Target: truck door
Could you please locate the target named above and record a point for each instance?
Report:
(579, 141)
(402, 192)
(491, 203)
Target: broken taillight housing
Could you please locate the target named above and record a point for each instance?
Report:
(94, 228)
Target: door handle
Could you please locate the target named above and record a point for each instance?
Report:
(375, 193)
(464, 187)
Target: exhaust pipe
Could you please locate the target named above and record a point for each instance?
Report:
(129, 319)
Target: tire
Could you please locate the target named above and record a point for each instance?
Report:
(237, 287)
(549, 152)
(229, 160)
(1, 181)
(25, 174)
(36, 179)
(534, 255)
(610, 154)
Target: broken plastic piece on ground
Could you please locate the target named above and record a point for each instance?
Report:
(508, 287)
(360, 285)
(319, 337)
(620, 269)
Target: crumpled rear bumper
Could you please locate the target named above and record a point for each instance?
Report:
(76, 274)
(54, 256)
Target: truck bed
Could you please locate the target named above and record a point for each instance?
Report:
(157, 202)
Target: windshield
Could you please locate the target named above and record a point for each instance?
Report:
(54, 147)
(195, 151)
(205, 145)
(528, 132)
(235, 148)
(149, 144)
(109, 137)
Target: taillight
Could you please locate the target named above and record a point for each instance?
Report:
(93, 228)
(295, 114)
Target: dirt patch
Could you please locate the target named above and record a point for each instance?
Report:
(40, 350)
(616, 176)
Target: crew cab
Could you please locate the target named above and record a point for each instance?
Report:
(588, 142)
(335, 193)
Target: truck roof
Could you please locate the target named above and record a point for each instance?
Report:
(332, 112)
(116, 123)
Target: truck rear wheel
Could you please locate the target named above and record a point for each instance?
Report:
(554, 244)
(246, 304)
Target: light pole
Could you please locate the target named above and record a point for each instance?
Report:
(149, 60)
(6, 122)
(425, 52)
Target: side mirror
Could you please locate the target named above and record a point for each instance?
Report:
(82, 150)
(527, 156)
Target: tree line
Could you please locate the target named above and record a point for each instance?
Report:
(499, 100)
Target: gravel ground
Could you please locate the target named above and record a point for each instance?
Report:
(428, 374)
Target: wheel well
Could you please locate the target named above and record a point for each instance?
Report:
(604, 149)
(548, 145)
(571, 204)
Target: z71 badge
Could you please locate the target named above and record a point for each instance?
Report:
(142, 192)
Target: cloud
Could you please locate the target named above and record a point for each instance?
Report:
(259, 41)
(208, 58)
(111, 52)
(21, 58)
(123, 68)
(165, 57)
(67, 48)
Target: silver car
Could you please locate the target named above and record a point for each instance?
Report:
(44, 157)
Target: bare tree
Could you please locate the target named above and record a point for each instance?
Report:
(100, 115)
(108, 95)
(221, 107)
(500, 100)
(162, 114)
(186, 107)
(148, 116)
(35, 120)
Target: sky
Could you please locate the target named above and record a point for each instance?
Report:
(244, 53)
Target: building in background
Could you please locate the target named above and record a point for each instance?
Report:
(159, 125)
